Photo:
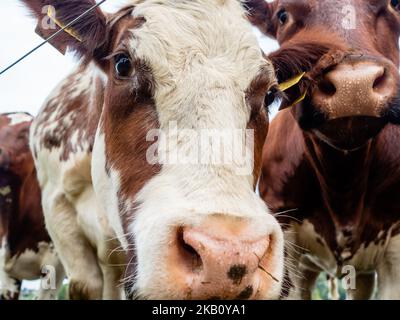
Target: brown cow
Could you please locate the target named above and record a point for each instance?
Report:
(152, 72)
(331, 162)
(26, 251)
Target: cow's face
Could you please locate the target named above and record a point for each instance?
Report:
(174, 73)
(351, 49)
(15, 156)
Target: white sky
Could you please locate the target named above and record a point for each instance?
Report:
(26, 86)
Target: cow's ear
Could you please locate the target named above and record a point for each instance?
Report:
(260, 13)
(87, 37)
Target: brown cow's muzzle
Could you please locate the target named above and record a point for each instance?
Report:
(223, 261)
(355, 88)
(351, 102)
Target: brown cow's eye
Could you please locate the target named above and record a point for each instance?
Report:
(272, 97)
(395, 4)
(282, 16)
(123, 65)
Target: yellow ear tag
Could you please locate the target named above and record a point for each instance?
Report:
(291, 82)
(300, 99)
(71, 32)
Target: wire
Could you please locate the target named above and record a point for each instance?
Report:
(52, 36)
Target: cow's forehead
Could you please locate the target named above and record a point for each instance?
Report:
(179, 34)
(328, 8)
(312, 3)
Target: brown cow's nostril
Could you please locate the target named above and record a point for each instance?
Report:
(189, 255)
(327, 87)
(379, 81)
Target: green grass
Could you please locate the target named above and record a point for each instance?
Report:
(321, 290)
(32, 294)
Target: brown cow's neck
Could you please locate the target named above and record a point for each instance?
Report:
(29, 220)
(8, 202)
(23, 215)
(343, 177)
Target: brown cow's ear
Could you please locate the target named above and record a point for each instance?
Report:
(87, 37)
(260, 14)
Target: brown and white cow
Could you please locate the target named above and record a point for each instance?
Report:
(170, 230)
(332, 161)
(26, 252)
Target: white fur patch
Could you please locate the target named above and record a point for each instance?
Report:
(7, 284)
(29, 265)
(107, 187)
(389, 271)
(17, 118)
(4, 191)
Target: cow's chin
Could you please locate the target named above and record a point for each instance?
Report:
(170, 286)
(350, 133)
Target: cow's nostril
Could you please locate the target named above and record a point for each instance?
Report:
(190, 257)
(379, 81)
(327, 87)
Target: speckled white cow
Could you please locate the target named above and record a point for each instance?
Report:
(169, 230)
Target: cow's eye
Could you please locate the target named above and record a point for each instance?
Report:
(272, 97)
(123, 65)
(395, 4)
(282, 16)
